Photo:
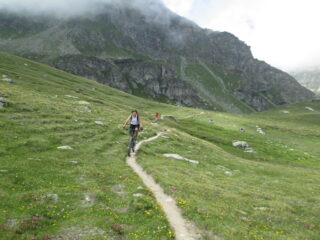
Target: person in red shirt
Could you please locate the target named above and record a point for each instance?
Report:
(156, 116)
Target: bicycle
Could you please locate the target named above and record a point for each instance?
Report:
(132, 141)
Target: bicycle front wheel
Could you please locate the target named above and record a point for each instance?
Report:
(130, 145)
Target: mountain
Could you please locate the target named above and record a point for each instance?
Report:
(151, 52)
(87, 191)
(309, 79)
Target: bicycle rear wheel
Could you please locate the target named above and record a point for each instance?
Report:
(133, 144)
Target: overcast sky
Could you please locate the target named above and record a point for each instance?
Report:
(284, 33)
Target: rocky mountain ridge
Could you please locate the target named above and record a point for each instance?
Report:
(150, 51)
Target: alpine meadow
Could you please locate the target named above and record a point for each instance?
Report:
(219, 145)
(88, 191)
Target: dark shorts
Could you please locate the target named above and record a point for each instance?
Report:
(133, 127)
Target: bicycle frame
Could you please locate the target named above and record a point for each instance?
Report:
(131, 145)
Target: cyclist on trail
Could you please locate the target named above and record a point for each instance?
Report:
(156, 116)
(135, 122)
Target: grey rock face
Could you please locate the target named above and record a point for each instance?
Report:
(133, 76)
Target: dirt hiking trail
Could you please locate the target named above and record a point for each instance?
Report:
(183, 230)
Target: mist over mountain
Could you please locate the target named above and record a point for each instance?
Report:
(309, 78)
(143, 48)
(73, 8)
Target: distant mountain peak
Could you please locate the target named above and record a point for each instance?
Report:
(163, 56)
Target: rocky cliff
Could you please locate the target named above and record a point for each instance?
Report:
(152, 52)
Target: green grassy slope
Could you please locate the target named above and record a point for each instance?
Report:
(270, 194)
(87, 192)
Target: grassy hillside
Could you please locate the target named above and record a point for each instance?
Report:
(217, 86)
(272, 193)
(88, 192)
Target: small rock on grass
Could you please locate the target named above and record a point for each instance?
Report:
(240, 144)
(261, 208)
(98, 122)
(78, 90)
(3, 102)
(285, 112)
(249, 150)
(83, 102)
(310, 109)
(173, 188)
(86, 109)
(65, 148)
(138, 195)
(118, 189)
(260, 131)
(122, 210)
(70, 96)
(177, 156)
(5, 78)
(242, 212)
(89, 198)
(52, 196)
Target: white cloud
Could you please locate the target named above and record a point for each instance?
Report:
(180, 7)
(58, 7)
(282, 32)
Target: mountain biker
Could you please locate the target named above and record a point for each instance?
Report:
(156, 116)
(135, 122)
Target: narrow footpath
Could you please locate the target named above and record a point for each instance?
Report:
(183, 229)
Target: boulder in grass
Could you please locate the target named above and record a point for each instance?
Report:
(65, 148)
(86, 109)
(138, 195)
(70, 96)
(98, 122)
(249, 150)
(260, 131)
(240, 144)
(177, 156)
(5, 78)
(3, 102)
(310, 109)
(78, 90)
(83, 103)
